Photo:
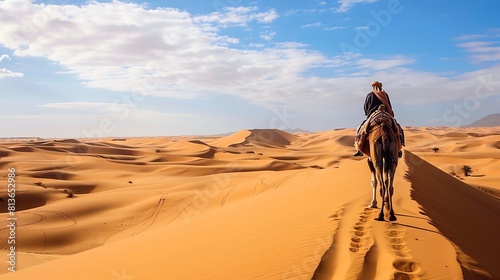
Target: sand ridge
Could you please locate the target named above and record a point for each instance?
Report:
(259, 203)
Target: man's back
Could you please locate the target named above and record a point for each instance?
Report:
(372, 102)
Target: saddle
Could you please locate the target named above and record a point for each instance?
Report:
(369, 126)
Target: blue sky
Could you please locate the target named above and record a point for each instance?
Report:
(110, 68)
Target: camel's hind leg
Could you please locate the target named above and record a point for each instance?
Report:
(373, 182)
(376, 153)
(383, 192)
(390, 186)
(390, 169)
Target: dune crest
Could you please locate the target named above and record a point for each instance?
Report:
(269, 138)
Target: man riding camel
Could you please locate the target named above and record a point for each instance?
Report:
(373, 100)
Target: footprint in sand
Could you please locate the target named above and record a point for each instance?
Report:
(360, 238)
(335, 216)
(404, 267)
(404, 276)
(395, 238)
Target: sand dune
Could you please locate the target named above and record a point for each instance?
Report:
(258, 204)
(445, 199)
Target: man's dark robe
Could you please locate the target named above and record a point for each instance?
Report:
(372, 102)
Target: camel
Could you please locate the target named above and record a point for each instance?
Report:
(382, 147)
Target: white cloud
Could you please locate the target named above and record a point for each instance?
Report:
(485, 50)
(237, 16)
(52, 117)
(466, 37)
(111, 109)
(488, 57)
(256, 45)
(6, 73)
(334, 28)
(161, 117)
(316, 24)
(290, 45)
(81, 105)
(267, 35)
(384, 64)
(311, 12)
(479, 46)
(491, 33)
(291, 12)
(4, 56)
(226, 40)
(346, 5)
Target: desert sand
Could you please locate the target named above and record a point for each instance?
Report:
(257, 204)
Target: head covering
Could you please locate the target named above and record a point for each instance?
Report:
(377, 84)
